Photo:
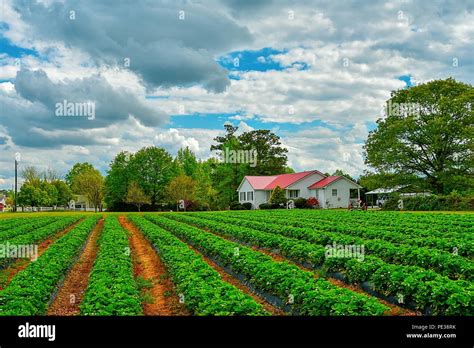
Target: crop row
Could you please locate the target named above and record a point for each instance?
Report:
(24, 229)
(201, 288)
(6, 224)
(424, 288)
(31, 290)
(440, 225)
(453, 266)
(464, 246)
(288, 283)
(112, 289)
(34, 237)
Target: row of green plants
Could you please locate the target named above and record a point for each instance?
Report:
(296, 250)
(112, 289)
(200, 287)
(293, 286)
(30, 291)
(429, 225)
(462, 245)
(6, 224)
(442, 222)
(35, 236)
(422, 287)
(23, 229)
(453, 266)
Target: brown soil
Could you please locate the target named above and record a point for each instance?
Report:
(235, 282)
(19, 265)
(148, 265)
(71, 292)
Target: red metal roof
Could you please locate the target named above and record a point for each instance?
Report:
(282, 180)
(324, 182)
(260, 182)
(285, 180)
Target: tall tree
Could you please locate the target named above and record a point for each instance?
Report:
(90, 183)
(152, 168)
(428, 132)
(75, 171)
(117, 180)
(136, 196)
(271, 156)
(181, 188)
(187, 162)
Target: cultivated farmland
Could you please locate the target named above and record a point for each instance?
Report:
(258, 263)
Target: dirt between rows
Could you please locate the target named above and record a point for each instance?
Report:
(19, 265)
(160, 297)
(394, 309)
(235, 282)
(71, 293)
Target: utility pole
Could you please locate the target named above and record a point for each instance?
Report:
(17, 159)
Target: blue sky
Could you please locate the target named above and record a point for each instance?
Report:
(317, 74)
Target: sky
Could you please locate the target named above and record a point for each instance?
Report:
(172, 73)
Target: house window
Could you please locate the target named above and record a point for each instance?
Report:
(293, 193)
(242, 196)
(267, 195)
(334, 192)
(250, 196)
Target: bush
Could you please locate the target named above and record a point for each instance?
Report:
(301, 203)
(265, 206)
(236, 206)
(312, 202)
(278, 196)
(246, 206)
(453, 201)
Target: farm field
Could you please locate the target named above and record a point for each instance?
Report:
(257, 263)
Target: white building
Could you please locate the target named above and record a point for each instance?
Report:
(331, 191)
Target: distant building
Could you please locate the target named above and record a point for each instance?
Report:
(331, 191)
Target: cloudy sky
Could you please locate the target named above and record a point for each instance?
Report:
(171, 73)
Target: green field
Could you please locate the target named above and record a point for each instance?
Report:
(266, 262)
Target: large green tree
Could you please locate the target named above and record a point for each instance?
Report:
(75, 171)
(152, 168)
(428, 131)
(117, 181)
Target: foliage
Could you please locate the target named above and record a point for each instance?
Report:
(278, 196)
(453, 201)
(181, 187)
(202, 289)
(152, 168)
(300, 203)
(136, 196)
(90, 183)
(112, 289)
(75, 171)
(280, 279)
(29, 294)
(433, 139)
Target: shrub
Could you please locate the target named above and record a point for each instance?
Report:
(312, 202)
(453, 201)
(236, 206)
(265, 206)
(246, 206)
(278, 196)
(301, 203)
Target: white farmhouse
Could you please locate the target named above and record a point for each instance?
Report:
(331, 191)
